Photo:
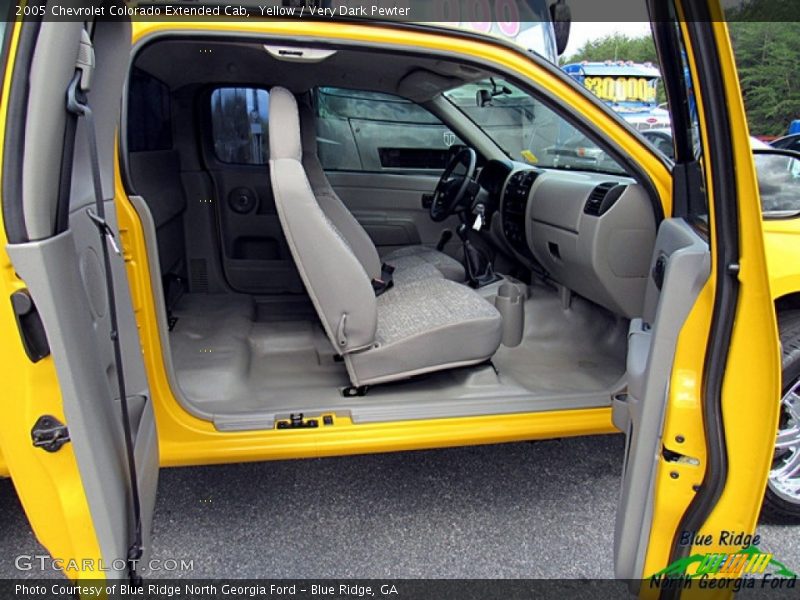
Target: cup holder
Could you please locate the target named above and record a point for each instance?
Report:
(510, 303)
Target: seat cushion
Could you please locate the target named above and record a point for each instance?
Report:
(412, 270)
(413, 257)
(425, 326)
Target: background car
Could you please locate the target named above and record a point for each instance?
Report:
(788, 142)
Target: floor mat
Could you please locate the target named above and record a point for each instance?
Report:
(222, 354)
(240, 355)
(577, 349)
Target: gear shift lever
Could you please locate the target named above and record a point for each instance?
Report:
(477, 265)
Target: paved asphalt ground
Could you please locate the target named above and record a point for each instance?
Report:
(527, 510)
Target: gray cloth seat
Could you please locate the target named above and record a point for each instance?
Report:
(411, 263)
(424, 326)
(415, 259)
(418, 327)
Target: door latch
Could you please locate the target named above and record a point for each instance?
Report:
(298, 422)
(49, 434)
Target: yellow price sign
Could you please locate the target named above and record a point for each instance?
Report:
(622, 89)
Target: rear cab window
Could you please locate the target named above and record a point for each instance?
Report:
(240, 125)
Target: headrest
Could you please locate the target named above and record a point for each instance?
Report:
(284, 125)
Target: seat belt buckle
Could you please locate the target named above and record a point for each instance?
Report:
(105, 230)
(379, 286)
(385, 281)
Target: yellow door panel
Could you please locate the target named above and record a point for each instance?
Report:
(751, 384)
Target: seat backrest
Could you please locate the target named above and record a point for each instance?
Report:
(333, 207)
(335, 279)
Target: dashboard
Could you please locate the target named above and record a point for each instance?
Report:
(592, 232)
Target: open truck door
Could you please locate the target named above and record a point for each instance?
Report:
(83, 460)
(701, 408)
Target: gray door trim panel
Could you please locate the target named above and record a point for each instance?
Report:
(389, 207)
(69, 298)
(651, 352)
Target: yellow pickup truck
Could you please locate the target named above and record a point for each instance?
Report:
(221, 244)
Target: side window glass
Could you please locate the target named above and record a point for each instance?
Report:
(149, 119)
(692, 104)
(689, 193)
(240, 125)
(369, 131)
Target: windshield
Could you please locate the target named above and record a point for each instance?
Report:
(527, 130)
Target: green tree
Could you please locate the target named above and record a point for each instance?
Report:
(768, 60)
(616, 46)
(767, 57)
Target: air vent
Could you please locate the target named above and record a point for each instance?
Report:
(199, 275)
(602, 198)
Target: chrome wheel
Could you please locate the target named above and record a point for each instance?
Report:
(784, 478)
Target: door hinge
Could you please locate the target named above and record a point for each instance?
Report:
(49, 434)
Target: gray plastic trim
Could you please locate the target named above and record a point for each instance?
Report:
(650, 359)
(63, 285)
(592, 255)
(151, 246)
(52, 67)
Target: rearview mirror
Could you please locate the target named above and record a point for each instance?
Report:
(778, 174)
(561, 16)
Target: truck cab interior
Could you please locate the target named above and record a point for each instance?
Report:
(386, 235)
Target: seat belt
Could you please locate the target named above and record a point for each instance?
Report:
(386, 280)
(77, 104)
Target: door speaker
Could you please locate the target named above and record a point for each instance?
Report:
(242, 200)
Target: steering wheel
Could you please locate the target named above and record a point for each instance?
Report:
(450, 189)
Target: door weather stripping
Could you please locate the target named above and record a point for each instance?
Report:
(77, 104)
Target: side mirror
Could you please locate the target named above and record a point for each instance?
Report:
(483, 98)
(778, 173)
(561, 17)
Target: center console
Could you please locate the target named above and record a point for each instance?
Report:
(514, 207)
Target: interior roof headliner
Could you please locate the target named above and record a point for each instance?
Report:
(179, 63)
